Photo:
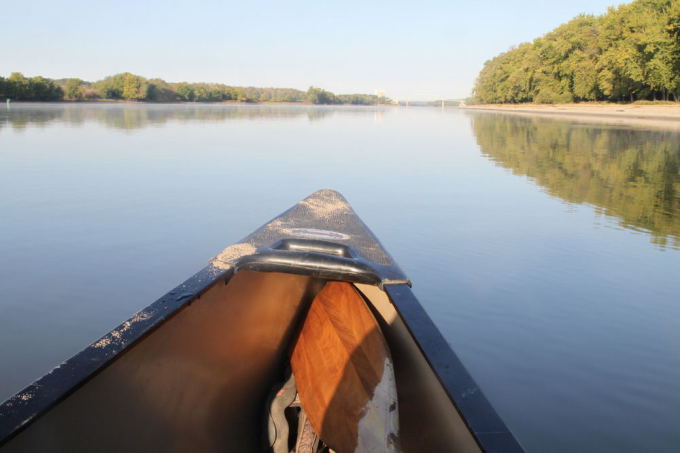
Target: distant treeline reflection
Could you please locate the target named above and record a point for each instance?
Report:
(127, 116)
(633, 175)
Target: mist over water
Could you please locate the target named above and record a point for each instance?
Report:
(547, 251)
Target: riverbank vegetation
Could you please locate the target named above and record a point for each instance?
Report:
(20, 88)
(131, 87)
(630, 53)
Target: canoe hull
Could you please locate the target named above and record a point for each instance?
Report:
(192, 371)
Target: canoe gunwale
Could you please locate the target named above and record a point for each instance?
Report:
(19, 411)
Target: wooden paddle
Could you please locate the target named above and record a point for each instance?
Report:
(344, 374)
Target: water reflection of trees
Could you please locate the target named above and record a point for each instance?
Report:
(139, 116)
(633, 175)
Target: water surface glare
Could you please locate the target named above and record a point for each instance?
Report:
(546, 250)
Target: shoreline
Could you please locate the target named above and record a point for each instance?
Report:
(230, 102)
(661, 115)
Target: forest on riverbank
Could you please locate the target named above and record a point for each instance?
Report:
(131, 87)
(630, 53)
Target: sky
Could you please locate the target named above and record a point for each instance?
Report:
(418, 50)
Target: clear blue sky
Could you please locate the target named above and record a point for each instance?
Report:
(412, 50)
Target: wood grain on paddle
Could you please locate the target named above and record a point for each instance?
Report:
(344, 373)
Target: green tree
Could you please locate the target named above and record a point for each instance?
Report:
(319, 96)
(185, 92)
(111, 87)
(123, 86)
(134, 87)
(38, 88)
(631, 52)
(17, 87)
(161, 91)
(4, 88)
(42, 89)
(72, 90)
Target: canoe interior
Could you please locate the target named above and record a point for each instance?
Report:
(199, 382)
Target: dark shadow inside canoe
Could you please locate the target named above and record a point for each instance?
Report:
(200, 381)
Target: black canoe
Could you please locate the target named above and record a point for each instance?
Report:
(194, 370)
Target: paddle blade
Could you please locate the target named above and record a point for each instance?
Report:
(344, 373)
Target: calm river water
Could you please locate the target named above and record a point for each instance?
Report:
(547, 251)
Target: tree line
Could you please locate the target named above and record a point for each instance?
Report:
(20, 88)
(131, 87)
(630, 53)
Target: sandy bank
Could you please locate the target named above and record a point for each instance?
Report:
(664, 116)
